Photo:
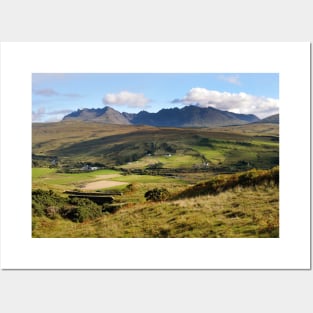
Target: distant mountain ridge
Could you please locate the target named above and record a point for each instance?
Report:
(105, 115)
(188, 116)
(273, 119)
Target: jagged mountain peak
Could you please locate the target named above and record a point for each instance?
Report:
(188, 116)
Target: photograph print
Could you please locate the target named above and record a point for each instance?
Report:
(155, 155)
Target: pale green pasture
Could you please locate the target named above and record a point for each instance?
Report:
(39, 172)
(265, 143)
(212, 155)
(172, 161)
(144, 179)
(49, 179)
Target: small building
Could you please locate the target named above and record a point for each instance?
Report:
(88, 167)
(54, 162)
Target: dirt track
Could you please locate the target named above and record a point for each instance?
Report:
(103, 183)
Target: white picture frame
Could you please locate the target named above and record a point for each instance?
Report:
(20, 251)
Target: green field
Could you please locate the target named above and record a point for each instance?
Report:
(168, 161)
(42, 172)
(214, 156)
(47, 178)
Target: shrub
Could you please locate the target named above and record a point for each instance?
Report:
(81, 211)
(131, 187)
(155, 166)
(42, 199)
(37, 209)
(50, 204)
(205, 142)
(157, 194)
(51, 212)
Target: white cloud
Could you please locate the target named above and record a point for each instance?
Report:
(233, 102)
(134, 100)
(38, 114)
(49, 92)
(232, 79)
(41, 115)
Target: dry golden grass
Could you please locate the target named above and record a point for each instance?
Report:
(242, 212)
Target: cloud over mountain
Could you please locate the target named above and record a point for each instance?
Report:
(134, 100)
(233, 102)
(38, 114)
(56, 115)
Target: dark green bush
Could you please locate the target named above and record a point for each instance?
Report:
(50, 204)
(157, 194)
(37, 209)
(205, 142)
(81, 210)
(42, 199)
(155, 165)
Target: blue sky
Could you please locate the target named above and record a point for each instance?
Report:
(57, 94)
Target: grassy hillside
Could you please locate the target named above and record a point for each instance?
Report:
(252, 212)
(219, 182)
(224, 149)
(246, 205)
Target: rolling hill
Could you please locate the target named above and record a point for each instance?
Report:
(221, 181)
(135, 146)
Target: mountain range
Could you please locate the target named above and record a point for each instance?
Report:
(273, 119)
(188, 116)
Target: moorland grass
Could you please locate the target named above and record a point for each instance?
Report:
(242, 212)
(221, 183)
(227, 206)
